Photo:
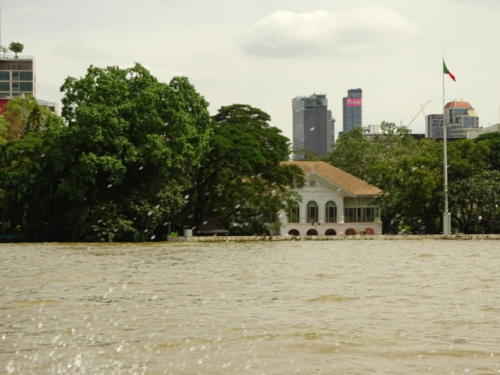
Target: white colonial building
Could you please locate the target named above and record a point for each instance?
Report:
(334, 202)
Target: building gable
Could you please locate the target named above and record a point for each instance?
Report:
(346, 181)
(317, 183)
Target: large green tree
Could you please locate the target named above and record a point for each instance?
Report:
(242, 181)
(476, 202)
(406, 170)
(23, 128)
(117, 171)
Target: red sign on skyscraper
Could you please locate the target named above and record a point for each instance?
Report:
(354, 102)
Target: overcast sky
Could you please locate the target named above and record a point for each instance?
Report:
(265, 52)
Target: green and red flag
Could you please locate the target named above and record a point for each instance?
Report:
(446, 71)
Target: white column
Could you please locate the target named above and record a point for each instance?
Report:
(340, 210)
(284, 221)
(321, 212)
(283, 217)
(303, 211)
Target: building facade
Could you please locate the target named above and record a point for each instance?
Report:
(352, 107)
(434, 126)
(474, 133)
(334, 202)
(460, 119)
(313, 126)
(17, 77)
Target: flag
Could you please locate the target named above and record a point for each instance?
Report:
(446, 71)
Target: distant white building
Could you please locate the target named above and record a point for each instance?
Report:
(373, 129)
(476, 132)
(334, 202)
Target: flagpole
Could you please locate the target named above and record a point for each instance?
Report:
(446, 214)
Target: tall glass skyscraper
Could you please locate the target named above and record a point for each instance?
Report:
(352, 106)
(313, 126)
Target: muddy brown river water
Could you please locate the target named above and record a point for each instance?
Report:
(293, 307)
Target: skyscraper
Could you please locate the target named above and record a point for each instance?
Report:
(313, 126)
(352, 106)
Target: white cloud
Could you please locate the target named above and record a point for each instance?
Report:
(285, 33)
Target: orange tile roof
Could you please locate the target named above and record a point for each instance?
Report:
(458, 104)
(346, 181)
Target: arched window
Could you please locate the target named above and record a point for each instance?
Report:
(293, 232)
(330, 232)
(350, 232)
(293, 213)
(369, 231)
(312, 232)
(331, 212)
(312, 212)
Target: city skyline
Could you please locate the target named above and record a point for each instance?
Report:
(266, 54)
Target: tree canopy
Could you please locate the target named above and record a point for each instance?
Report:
(135, 156)
(492, 141)
(411, 174)
(241, 181)
(22, 116)
(117, 170)
(476, 202)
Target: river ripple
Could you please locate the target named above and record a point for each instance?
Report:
(339, 307)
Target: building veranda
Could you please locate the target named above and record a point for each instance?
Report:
(334, 202)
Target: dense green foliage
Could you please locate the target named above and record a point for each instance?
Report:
(22, 128)
(116, 171)
(411, 174)
(492, 140)
(134, 157)
(24, 116)
(476, 202)
(241, 182)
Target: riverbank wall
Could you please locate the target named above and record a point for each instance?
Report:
(382, 237)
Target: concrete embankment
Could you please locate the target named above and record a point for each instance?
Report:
(337, 238)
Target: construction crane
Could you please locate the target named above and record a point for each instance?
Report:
(422, 107)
